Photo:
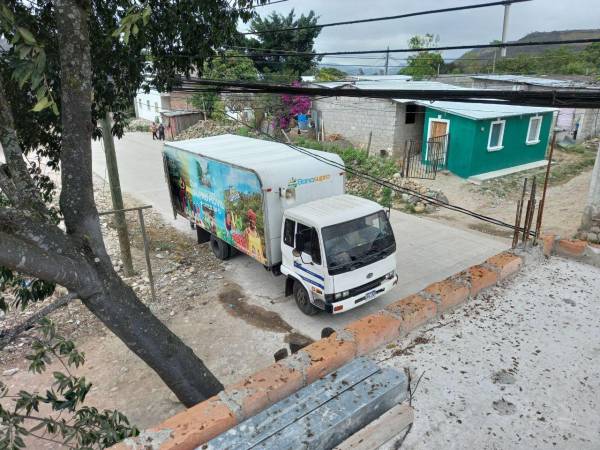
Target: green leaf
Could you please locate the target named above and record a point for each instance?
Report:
(24, 51)
(55, 108)
(27, 36)
(135, 29)
(41, 105)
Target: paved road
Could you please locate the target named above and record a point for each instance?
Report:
(428, 251)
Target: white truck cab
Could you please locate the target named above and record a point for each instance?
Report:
(339, 251)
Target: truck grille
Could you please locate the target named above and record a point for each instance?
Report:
(357, 290)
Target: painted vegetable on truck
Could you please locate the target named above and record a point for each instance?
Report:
(225, 200)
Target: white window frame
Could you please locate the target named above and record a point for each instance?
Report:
(500, 145)
(537, 138)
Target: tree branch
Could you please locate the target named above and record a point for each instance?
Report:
(74, 274)
(77, 189)
(48, 237)
(7, 336)
(21, 190)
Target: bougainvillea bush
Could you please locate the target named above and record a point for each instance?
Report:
(292, 106)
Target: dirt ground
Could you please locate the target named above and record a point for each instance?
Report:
(208, 313)
(498, 198)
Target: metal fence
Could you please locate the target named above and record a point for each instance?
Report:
(424, 161)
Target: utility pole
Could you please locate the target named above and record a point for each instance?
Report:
(115, 193)
(591, 212)
(387, 59)
(505, 28)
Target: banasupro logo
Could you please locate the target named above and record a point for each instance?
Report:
(295, 182)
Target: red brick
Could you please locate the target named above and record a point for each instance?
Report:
(449, 292)
(196, 425)
(506, 263)
(327, 355)
(265, 387)
(481, 277)
(414, 311)
(373, 331)
(571, 247)
(548, 240)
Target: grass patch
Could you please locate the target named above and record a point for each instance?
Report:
(358, 159)
(568, 164)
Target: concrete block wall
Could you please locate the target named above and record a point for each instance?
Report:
(354, 118)
(406, 131)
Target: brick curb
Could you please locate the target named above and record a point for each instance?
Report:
(572, 248)
(202, 422)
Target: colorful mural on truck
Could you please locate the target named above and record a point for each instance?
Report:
(222, 199)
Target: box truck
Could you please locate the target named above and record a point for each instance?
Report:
(287, 210)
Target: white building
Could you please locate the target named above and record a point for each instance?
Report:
(149, 105)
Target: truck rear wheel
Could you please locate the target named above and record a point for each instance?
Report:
(220, 248)
(303, 300)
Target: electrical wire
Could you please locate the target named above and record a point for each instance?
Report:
(379, 19)
(422, 49)
(558, 97)
(382, 182)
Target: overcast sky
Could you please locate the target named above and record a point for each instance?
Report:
(456, 28)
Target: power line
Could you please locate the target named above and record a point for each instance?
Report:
(558, 97)
(378, 19)
(269, 3)
(422, 49)
(380, 181)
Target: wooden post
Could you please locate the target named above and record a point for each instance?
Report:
(116, 195)
(369, 143)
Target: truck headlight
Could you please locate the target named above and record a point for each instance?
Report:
(341, 295)
(389, 276)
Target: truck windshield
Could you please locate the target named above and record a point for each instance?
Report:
(359, 242)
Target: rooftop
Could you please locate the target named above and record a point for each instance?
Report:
(480, 111)
(536, 81)
(336, 209)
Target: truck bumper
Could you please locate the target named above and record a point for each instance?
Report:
(359, 300)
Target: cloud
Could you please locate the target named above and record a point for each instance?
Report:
(456, 28)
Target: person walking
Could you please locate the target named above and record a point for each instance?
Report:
(153, 130)
(161, 132)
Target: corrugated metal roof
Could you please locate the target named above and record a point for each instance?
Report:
(536, 81)
(381, 77)
(479, 111)
(336, 209)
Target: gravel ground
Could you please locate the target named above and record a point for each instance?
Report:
(516, 368)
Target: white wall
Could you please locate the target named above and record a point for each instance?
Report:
(148, 106)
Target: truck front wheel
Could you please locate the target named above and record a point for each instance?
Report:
(220, 248)
(303, 300)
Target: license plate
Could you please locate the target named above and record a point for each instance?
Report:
(370, 295)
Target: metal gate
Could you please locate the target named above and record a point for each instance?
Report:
(424, 161)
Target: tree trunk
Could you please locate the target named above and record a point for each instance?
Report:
(113, 302)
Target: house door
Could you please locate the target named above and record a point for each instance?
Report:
(436, 146)
(438, 129)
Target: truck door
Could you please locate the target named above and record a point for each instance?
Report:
(309, 265)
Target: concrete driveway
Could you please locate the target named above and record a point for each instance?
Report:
(427, 251)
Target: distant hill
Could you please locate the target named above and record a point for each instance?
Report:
(537, 36)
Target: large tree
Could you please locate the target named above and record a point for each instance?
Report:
(424, 63)
(70, 61)
(282, 68)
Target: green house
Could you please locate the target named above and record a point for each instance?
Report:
(481, 139)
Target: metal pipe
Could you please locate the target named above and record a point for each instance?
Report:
(147, 253)
(538, 225)
(135, 208)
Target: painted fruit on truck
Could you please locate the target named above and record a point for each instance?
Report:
(225, 200)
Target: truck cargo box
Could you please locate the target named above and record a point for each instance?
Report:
(237, 187)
